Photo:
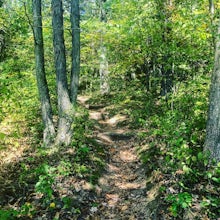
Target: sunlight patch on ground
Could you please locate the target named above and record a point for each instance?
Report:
(104, 137)
(12, 145)
(116, 119)
(95, 115)
(112, 168)
(83, 99)
(128, 186)
(112, 199)
(127, 156)
(153, 192)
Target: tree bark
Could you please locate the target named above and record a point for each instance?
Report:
(103, 71)
(212, 143)
(49, 131)
(166, 67)
(75, 24)
(2, 37)
(211, 7)
(103, 67)
(212, 14)
(2, 42)
(65, 110)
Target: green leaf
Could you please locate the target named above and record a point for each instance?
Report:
(217, 180)
(209, 175)
(194, 159)
(185, 205)
(2, 136)
(200, 156)
(186, 169)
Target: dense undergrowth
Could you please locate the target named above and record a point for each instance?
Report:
(35, 181)
(170, 131)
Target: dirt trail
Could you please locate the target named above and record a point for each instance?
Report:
(121, 190)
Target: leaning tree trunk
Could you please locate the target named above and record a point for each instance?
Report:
(75, 24)
(212, 143)
(64, 132)
(49, 131)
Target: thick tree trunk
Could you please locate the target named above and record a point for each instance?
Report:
(65, 110)
(49, 131)
(212, 143)
(75, 24)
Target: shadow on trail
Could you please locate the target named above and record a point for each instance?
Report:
(100, 176)
(64, 176)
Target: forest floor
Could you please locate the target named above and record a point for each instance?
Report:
(118, 166)
(115, 187)
(122, 190)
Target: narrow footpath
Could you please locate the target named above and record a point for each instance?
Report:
(121, 191)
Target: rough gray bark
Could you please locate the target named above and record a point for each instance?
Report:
(64, 132)
(75, 24)
(49, 131)
(212, 143)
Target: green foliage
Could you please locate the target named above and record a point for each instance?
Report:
(27, 210)
(181, 201)
(173, 143)
(144, 38)
(9, 214)
(148, 38)
(64, 168)
(67, 202)
(45, 180)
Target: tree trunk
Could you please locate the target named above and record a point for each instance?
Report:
(2, 37)
(212, 14)
(211, 7)
(75, 24)
(166, 68)
(103, 71)
(65, 110)
(212, 143)
(49, 131)
(103, 68)
(2, 42)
